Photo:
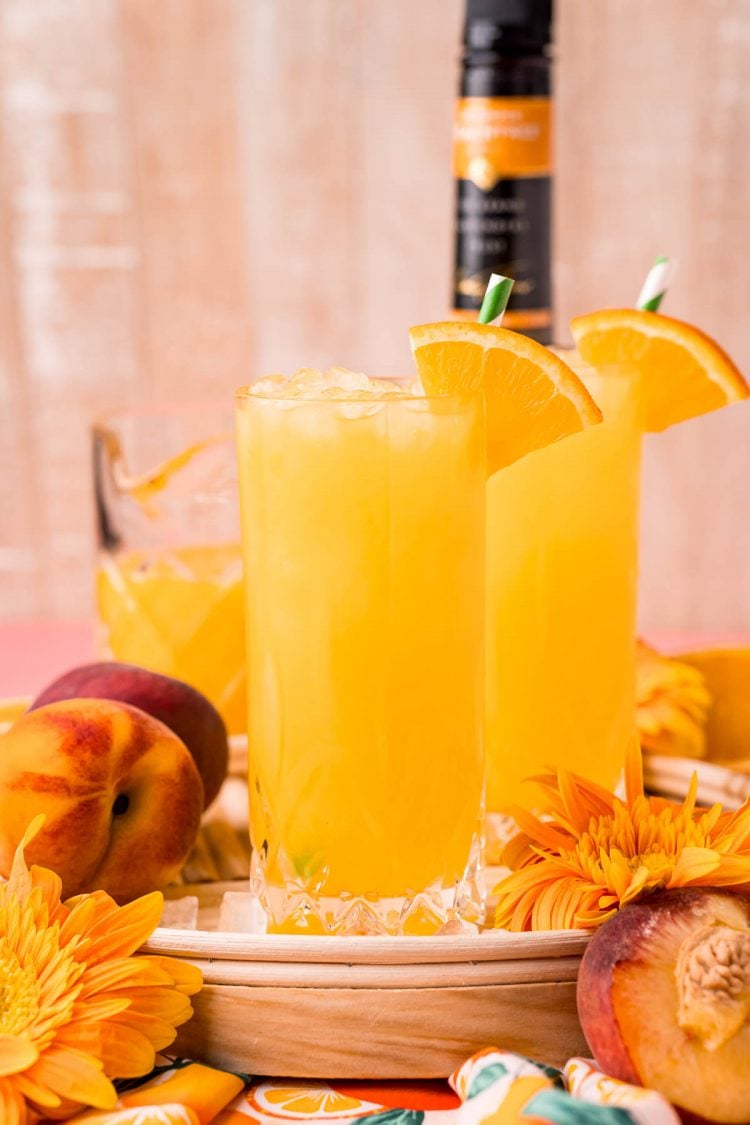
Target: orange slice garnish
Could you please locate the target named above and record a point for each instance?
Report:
(684, 372)
(532, 397)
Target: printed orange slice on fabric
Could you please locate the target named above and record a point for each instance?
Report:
(169, 1114)
(683, 371)
(532, 397)
(304, 1101)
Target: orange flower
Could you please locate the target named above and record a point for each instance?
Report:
(597, 853)
(76, 1008)
(672, 704)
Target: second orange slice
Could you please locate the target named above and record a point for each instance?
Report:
(685, 372)
(532, 397)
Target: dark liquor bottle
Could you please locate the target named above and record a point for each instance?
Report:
(503, 161)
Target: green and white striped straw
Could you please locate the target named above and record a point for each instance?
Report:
(495, 299)
(655, 286)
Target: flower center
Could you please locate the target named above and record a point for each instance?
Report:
(19, 994)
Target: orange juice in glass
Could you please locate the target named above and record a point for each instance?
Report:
(169, 582)
(363, 526)
(562, 522)
(562, 540)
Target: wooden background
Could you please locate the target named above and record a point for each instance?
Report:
(196, 191)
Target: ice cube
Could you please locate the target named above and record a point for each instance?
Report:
(309, 380)
(360, 405)
(271, 385)
(180, 913)
(348, 380)
(389, 388)
(241, 912)
(336, 392)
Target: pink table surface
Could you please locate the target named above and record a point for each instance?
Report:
(34, 652)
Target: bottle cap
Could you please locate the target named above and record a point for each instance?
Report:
(494, 24)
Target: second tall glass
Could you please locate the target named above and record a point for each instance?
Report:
(562, 560)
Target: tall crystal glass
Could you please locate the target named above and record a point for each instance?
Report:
(363, 530)
(562, 546)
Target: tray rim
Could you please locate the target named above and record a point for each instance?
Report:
(717, 781)
(491, 945)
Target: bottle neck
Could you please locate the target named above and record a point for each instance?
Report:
(508, 39)
(488, 74)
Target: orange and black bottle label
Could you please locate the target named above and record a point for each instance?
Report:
(503, 160)
(503, 171)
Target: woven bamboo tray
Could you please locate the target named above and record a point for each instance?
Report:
(670, 777)
(361, 1007)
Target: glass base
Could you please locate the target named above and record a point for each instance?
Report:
(296, 908)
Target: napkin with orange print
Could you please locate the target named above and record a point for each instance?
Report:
(493, 1087)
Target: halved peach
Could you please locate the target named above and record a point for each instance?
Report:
(664, 1000)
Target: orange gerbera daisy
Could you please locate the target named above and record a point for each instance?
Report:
(76, 1009)
(596, 853)
(672, 704)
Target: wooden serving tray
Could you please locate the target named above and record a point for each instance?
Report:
(362, 1007)
(671, 777)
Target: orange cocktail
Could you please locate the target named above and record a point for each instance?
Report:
(562, 542)
(179, 613)
(363, 524)
(169, 581)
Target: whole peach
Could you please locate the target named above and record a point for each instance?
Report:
(181, 707)
(121, 794)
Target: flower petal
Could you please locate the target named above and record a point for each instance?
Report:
(539, 831)
(158, 1032)
(187, 978)
(40, 1095)
(633, 770)
(693, 864)
(76, 1077)
(17, 1052)
(126, 1052)
(97, 1008)
(12, 1107)
(50, 888)
(121, 973)
(120, 930)
(164, 1003)
(733, 871)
